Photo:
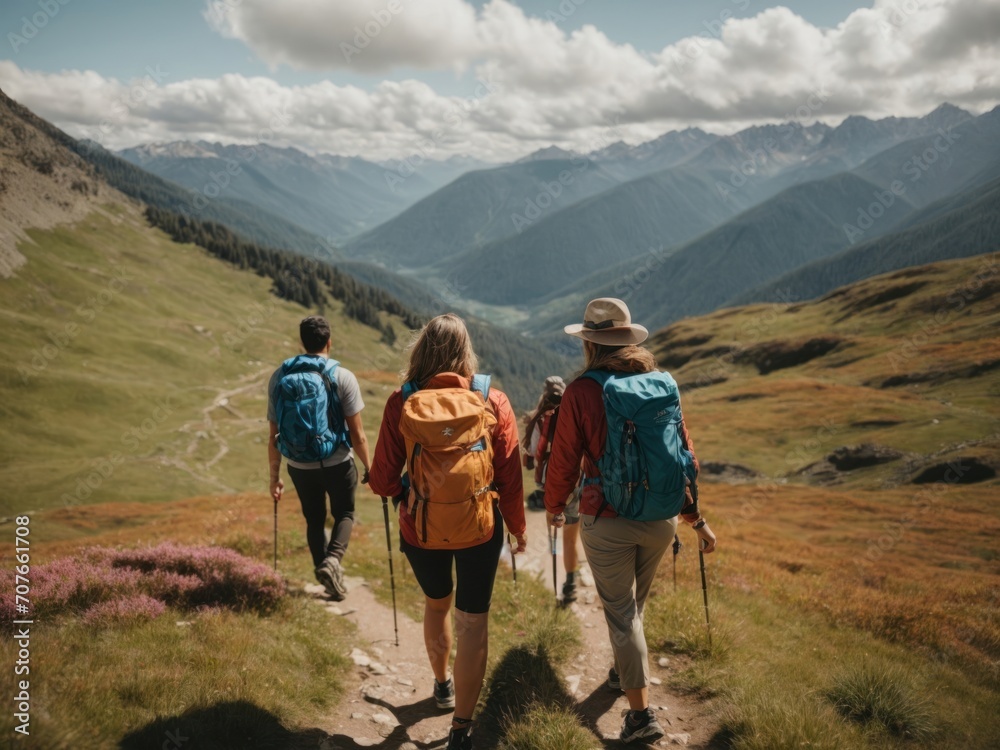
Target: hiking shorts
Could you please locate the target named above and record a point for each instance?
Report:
(475, 567)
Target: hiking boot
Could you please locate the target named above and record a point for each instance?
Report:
(614, 681)
(331, 575)
(640, 726)
(460, 739)
(444, 694)
(569, 592)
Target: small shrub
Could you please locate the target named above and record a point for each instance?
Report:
(192, 578)
(43, 165)
(544, 728)
(881, 694)
(130, 610)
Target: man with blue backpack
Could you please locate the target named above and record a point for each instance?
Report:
(623, 419)
(314, 420)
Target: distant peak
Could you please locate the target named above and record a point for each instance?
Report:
(551, 152)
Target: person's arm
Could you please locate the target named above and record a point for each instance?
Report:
(274, 461)
(566, 453)
(536, 437)
(507, 470)
(359, 442)
(691, 513)
(390, 452)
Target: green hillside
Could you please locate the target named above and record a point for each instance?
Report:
(331, 197)
(939, 164)
(955, 227)
(798, 226)
(479, 207)
(655, 212)
(243, 217)
(139, 365)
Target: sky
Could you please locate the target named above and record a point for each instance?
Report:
(494, 79)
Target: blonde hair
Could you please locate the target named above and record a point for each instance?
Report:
(443, 345)
(631, 358)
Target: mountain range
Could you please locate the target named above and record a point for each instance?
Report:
(681, 225)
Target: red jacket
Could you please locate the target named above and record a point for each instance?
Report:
(390, 457)
(580, 433)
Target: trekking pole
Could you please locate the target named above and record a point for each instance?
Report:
(704, 590)
(513, 558)
(701, 561)
(677, 549)
(555, 574)
(392, 575)
(275, 536)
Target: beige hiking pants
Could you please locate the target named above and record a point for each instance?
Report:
(623, 557)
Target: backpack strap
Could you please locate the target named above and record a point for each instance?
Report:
(409, 388)
(481, 384)
(601, 377)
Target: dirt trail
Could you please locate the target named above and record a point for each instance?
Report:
(388, 703)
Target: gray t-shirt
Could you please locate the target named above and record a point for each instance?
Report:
(351, 403)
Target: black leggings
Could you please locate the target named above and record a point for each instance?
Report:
(476, 569)
(313, 485)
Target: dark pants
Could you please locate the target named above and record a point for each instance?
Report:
(475, 568)
(313, 485)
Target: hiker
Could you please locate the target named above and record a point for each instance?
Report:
(444, 408)
(538, 437)
(623, 418)
(314, 420)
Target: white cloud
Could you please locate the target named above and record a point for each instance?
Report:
(543, 85)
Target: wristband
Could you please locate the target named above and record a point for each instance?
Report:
(698, 524)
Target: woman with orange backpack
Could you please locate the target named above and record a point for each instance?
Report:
(623, 418)
(457, 439)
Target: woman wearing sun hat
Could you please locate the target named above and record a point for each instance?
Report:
(623, 553)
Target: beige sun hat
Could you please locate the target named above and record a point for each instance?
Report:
(607, 321)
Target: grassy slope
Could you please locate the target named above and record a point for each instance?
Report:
(814, 584)
(476, 208)
(950, 228)
(796, 602)
(140, 371)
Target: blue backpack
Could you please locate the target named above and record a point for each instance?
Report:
(310, 419)
(645, 466)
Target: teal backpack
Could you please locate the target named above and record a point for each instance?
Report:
(310, 419)
(645, 466)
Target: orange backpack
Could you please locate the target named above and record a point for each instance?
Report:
(448, 434)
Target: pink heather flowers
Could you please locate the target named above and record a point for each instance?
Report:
(109, 586)
(129, 610)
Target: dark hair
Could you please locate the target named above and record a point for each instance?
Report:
(314, 332)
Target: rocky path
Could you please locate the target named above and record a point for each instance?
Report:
(388, 703)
